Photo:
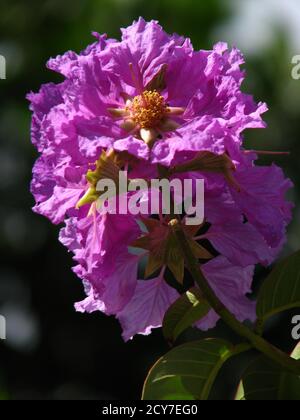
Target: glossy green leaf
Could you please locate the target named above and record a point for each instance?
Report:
(188, 372)
(281, 290)
(183, 313)
(266, 381)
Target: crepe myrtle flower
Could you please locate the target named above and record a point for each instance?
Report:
(151, 105)
(123, 262)
(126, 276)
(150, 96)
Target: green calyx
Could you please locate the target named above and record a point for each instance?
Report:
(106, 168)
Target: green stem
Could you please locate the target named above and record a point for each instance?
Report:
(258, 342)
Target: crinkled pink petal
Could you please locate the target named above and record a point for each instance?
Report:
(133, 146)
(90, 303)
(99, 239)
(120, 286)
(147, 308)
(262, 199)
(57, 206)
(240, 242)
(231, 284)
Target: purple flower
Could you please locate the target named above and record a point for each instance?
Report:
(150, 104)
(150, 95)
(111, 276)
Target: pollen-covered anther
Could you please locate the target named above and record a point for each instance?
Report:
(148, 109)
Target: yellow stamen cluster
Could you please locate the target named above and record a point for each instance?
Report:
(147, 110)
(147, 116)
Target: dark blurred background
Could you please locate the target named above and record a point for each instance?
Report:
(51, 352)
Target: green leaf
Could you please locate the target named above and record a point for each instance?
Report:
(266, 381)
(296, 352)
(240, 394)
(281, 290)
(188, 372)
(183, 313)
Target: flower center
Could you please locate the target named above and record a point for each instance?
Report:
(147, 110)
(163, 248)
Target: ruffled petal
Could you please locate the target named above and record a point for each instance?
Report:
(241, 243)
(262, 200)
(231, 284)
(146, 310)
